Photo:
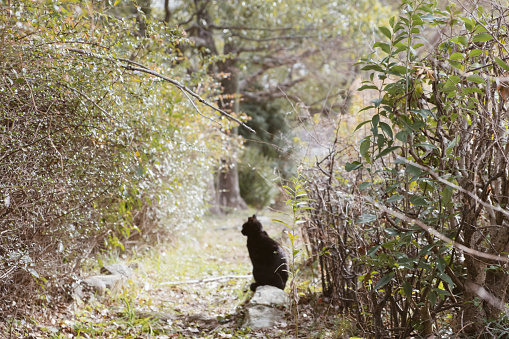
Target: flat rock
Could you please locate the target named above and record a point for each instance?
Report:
(262, 312)
(100, 283)
(121, 269)
(260, 317)
(269, 296)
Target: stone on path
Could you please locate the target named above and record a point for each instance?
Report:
(261, 311)
(115, 276)
(269, 296)
(121, 269)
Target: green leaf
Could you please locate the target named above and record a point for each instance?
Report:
(391, 21)
(441, 292)
(373, 250)
(482, 37)
(455, 79)
(385, 31)
(460, 40)
(363, 185)
(457, 56)
(365, 144)
(384, 281)
(441, 264)
(361, 124)
(452, 144)
(362, 88)
(402, 136)
(476, 78)
(375, 120)
(432, 298)
(446, 195)
(116, 2)
(502, 64)
(281, 221)
(366, 218)
(425, 145)
(385, 47)
(447, 279)
(352, 166)
(407, 288)
(455, 64)
(470, 90)
(425, 250)
(399, 69)
(387, 151)
(475, 52)
(395, 197)
(417, 200)
(469, 23)
(386, 128)
(380, 141)
(372, 67)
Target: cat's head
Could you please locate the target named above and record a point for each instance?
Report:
(252, 226)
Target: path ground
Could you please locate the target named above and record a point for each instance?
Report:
(163, 300)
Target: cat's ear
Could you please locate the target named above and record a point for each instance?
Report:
(254, 216)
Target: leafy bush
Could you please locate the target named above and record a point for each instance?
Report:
(415, 241)
(90, 153)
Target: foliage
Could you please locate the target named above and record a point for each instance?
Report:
(91, 155)
(269, 56)
(430, 177)
(271, 126)
(257, 182)
(270, 151)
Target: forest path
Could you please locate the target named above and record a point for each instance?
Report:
(164, 285)
(163, 300)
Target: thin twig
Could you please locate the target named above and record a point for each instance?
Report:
(206, 280)
(450, 184)
(197, 110)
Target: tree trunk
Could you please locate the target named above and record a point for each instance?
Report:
(167, 11)
(228, 176)
(228, 186)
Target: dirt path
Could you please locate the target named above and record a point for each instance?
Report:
(163, 300)
(165, 286)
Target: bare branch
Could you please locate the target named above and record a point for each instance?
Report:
(432, 231)
(284, 37)
(247, 28)
(144, 69)
(450, 184)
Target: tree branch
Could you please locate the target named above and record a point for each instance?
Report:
(450, 184)
(247, 28)
(284, 37)
(432, 231)
(206, 280)
(144, 69)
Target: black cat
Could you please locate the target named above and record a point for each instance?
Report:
(269, 263)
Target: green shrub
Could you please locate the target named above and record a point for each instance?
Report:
(90, 153)
(257, 178)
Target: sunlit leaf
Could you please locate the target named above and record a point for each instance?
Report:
(384, 281)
